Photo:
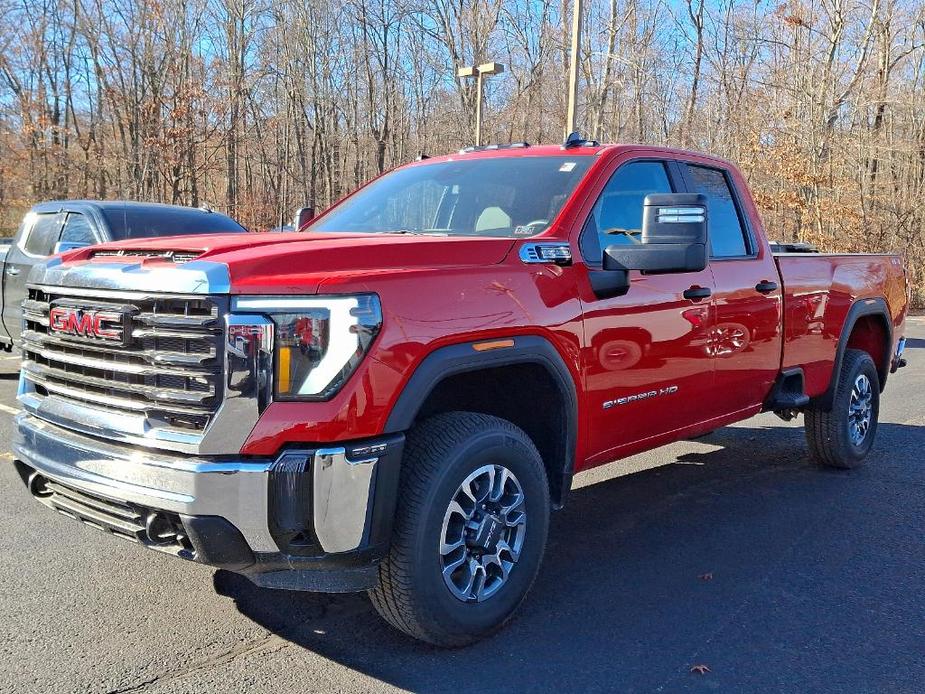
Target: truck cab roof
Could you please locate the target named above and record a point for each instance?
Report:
(588, 149)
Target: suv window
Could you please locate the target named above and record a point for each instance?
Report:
(77, 229)
(727, 237)
(43, 235)
(617, 215)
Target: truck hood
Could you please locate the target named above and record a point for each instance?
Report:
(260, 263)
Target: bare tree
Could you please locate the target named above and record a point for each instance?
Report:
(259, 107)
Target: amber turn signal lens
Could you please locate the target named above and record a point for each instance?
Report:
(283, 369)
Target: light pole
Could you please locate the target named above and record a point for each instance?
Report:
(479, 71)
(573, 68)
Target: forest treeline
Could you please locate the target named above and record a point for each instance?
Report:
(256, 107)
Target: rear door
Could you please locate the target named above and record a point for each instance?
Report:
(746, 336)
(40, 233)
(647, 365)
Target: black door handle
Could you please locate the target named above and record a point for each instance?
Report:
(766, 287)
(698, 293)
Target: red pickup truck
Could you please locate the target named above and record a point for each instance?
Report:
(395, 399)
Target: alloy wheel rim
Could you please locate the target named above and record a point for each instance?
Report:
(860, 409)
(483, 533)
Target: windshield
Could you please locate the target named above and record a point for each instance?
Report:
(507, 196)
(136, 222)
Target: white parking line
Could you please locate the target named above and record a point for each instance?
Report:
(8, 409)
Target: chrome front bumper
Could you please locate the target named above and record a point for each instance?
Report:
(341, 486)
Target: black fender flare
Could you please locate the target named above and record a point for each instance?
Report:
(875, 306)
(463, 357)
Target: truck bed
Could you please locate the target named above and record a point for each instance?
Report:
(819, 290)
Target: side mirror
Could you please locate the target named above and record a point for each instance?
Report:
(64, 246)
(674, 237)
(302, 217)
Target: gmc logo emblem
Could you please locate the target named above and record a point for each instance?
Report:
(87, 323)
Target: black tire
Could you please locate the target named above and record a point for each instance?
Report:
(828, 433)
(440, 454)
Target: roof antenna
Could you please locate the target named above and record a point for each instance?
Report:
(575, 139)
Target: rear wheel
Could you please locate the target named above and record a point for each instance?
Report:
(843, 436)
(470, 529)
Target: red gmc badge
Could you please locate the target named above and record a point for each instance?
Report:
(88, 323)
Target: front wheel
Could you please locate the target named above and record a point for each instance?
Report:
(843, 436)
(470, 529)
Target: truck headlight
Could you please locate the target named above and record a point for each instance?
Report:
(318, 341)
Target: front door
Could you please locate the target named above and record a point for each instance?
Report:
(647, 363)
(35, 242)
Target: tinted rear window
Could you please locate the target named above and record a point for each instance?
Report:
(727, 237)
(139, 222)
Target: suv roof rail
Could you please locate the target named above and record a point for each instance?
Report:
(575, 139)
(488, 148)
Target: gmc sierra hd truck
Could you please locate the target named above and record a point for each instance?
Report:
(395, 399)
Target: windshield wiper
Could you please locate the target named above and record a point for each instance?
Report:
(416, 232)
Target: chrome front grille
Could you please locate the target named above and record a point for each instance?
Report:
(168, 371)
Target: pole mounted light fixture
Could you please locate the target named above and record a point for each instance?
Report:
(573, 68)
(478, 72)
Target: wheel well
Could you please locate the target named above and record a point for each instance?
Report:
(524, 394)
(869, 334)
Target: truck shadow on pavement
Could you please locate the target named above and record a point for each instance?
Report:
(744, 557)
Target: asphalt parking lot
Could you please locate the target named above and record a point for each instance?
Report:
(736, 555)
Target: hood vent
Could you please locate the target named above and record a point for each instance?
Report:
(173, 256)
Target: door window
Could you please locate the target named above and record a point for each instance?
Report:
(617, 215)
(77, 229)
(727, 236)
(43, 235)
